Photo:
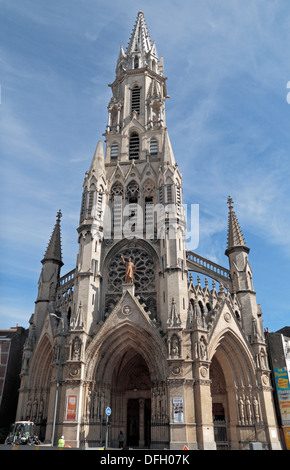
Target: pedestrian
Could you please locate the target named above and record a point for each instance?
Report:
(61, 442)
(121, 440)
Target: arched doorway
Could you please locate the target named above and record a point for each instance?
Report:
(39, 392)
(233, 382)
(219, 405)
(131, 393)
(127, 370)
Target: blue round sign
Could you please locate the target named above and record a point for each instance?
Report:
(108, 411)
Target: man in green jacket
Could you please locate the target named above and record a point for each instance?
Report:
(61, 442)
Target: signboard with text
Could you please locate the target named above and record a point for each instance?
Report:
(283, 392)
(71, 408)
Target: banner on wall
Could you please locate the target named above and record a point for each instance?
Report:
(283, 392)
(71, 408)
(178, 410)
(287, 437)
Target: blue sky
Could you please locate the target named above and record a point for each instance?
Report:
(228, 118)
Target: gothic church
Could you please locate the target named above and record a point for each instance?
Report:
(178, 363)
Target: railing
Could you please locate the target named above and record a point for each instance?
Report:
(160, 433)
(67, 278)
(204, 266)
(65, 284)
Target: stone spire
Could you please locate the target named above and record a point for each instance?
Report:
(168, 155)
(140, 39)
(140, 52)
(235, 236)
(98, 166)
(53, 251)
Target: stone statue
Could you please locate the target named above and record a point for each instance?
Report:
(130, 270)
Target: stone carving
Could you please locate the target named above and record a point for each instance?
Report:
(256, 409)
(174, 346)
(126, 310)
(249, 410)
(201, 348)
(76, 349)
(241, 410)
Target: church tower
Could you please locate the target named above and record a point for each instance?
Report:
(178, 364)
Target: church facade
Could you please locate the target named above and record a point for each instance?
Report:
(177, 362)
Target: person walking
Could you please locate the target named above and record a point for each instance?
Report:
(121, 440)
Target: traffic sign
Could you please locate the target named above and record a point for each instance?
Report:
(108, 411)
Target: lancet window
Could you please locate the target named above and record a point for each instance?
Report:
(153, 147)
(134, 146)
(114, 151)
(135, 99)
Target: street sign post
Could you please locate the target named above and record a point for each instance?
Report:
(108, 413)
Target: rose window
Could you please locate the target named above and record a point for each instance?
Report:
(144, 278)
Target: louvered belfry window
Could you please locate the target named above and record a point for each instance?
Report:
(134, 146)
(135, 103)
(114, 150)
(153, 147)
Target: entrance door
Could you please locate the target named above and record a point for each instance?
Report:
(133, 422)
(220, 426)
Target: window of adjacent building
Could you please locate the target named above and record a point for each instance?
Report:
(114, 151)
(134, 145)
(135, 99)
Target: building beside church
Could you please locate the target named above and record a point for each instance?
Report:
(11, 348)
(278, 346)
(178, 363)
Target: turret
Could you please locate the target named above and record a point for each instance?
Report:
(91, 232)
(241, 275)
(50, 273)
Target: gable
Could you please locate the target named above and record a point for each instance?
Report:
(129, 311)
(226, 323)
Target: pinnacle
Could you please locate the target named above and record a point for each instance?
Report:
(167, 151)
(140, 39)
(141, 52)
(235, 236)
(97, 164)
(53, 251)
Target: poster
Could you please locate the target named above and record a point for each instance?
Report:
(71, 408)
(283, 392)
(178, 410)
(287, 437)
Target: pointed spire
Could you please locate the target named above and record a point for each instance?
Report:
(141, 51)
(140, 39)
(98, 166)
(235, 236)
(168, 155)
(53, 251)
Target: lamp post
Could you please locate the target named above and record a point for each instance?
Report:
(58, 377)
